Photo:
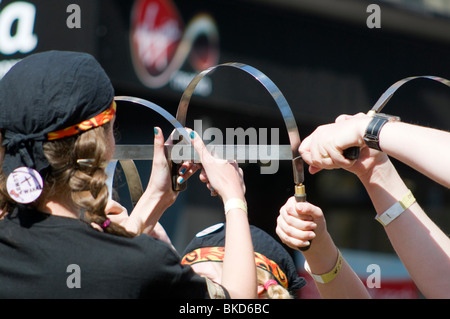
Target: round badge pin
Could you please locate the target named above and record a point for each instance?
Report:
(24, 185)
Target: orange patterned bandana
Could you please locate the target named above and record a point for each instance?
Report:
(96, 121)
(217, 254)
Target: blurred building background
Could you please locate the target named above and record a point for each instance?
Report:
(321, 54)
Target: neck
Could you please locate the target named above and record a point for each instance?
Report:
(58, 207)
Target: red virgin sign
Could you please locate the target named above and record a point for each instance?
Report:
(160, 43)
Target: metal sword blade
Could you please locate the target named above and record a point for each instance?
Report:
(288, 117)
(169, 117)
(180, 153)
(386, 96)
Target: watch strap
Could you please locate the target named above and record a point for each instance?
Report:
(372, 134)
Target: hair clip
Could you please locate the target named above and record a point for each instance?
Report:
(85, 162)
(89, 162)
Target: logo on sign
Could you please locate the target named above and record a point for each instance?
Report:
(160, 44)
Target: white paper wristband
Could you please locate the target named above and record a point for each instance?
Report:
(235, 203)
(395, 210)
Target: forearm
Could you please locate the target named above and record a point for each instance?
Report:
(147, 213)
(423, 248)
(321, 260)
(422, 148)
(239, 269)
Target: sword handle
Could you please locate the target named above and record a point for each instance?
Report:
(300, 196)
(351, 153)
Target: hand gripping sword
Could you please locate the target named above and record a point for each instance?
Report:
(386, 96)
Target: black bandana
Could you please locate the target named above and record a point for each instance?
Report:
(263, 243)
(46, 92)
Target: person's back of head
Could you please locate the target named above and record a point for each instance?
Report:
(55, 119)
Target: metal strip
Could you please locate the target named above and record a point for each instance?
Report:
(128, 164)
(180, 153)
(169, 117)
(132, 176)
(382, 101)
(283, 106)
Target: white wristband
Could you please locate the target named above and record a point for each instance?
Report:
(235, 203)
(395, 210)
(326, 278)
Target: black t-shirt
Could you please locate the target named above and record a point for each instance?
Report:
(46, 256)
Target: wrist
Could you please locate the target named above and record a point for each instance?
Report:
(383, 175)
(362, 125)
(235, 204)
(374, 128)
(227, 197)
(322, 256)
(384, 186)
(162, 199)
(329, 276)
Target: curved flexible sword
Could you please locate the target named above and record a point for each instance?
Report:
(126, 153)
(283, 106)
(387, 95)
(382, 101)
(280, 100)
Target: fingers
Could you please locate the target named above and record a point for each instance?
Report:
(186, 170)
(116, 212)
(299, 223)
(342, 117)
(305, 151)
(322, 149)
(345, 117)
(295, 224)
(291, 236)
(158, 147)
(205, 156)
(113, 207)
(204, 179)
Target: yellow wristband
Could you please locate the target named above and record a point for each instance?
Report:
(235, 203)
(329, 276)
(395, 210)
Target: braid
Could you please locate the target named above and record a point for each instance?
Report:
(84, 185)
(273, 291)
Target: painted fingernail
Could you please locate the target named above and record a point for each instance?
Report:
(192, 135)
(180, 180)
(183, 170)
(155, 131)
